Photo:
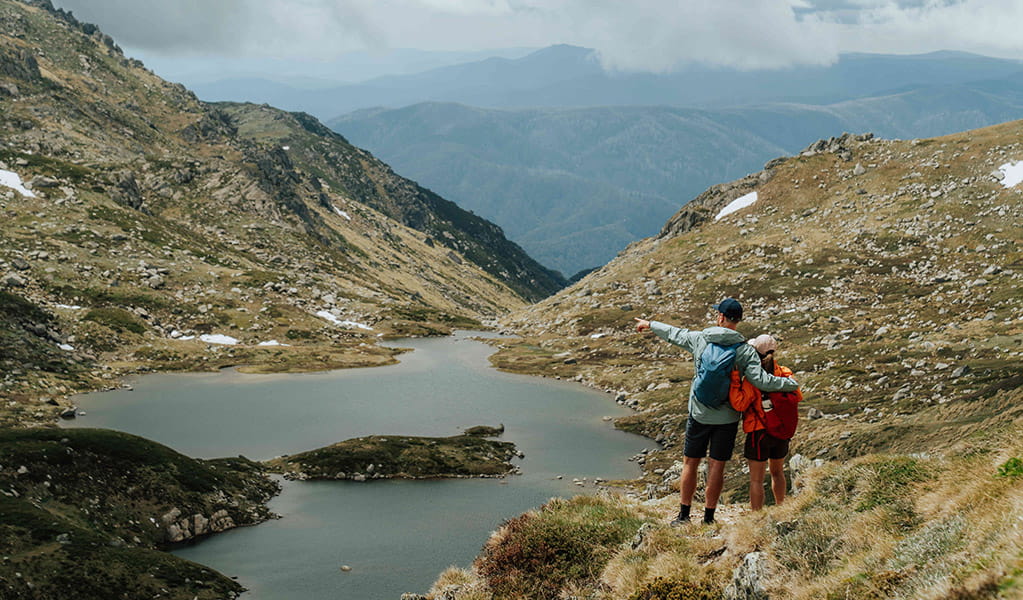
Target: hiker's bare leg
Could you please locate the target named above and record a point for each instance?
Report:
(757, 468)
(778, 483)
(715, 481)
(687, 484)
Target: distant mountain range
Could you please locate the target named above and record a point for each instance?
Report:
(575, 162)
(560, 76)
(574, 186)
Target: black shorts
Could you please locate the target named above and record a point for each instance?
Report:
(719, 438)
(761, 445)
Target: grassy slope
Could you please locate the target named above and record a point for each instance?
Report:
(895, 294)
(161, 213)
(81, 513)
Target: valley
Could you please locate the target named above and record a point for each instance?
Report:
(232, 276)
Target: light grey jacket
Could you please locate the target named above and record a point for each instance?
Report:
(746, 360)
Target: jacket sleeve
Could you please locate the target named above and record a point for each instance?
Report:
(761, 379)
(674, 335)
(741, 394)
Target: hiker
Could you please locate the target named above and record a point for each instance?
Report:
(712, 423)
(769, 421)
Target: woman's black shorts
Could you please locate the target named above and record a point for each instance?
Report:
(761, 445)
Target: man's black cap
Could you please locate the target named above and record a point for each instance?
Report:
(731, 308)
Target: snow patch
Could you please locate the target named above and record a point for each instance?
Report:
(69, 306)
(341, 212)
(597, 336)
(738, 204)
(66, 347)
(325, 314)
(13, 180)
(285, 147)
(272, 343)
(217, 338)
(1012, 172)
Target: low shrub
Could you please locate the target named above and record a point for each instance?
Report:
(565, 542)
(815, 542)
(676, 589)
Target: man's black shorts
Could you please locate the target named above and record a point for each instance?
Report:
(761, 445)
(720, 439)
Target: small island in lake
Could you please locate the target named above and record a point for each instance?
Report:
(402, 457)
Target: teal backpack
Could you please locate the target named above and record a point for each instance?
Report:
(714, 374)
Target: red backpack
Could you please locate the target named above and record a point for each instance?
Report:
(781, 422)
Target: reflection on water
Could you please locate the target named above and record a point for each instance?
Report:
(397, 535)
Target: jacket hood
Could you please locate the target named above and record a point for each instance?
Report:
(723, 336)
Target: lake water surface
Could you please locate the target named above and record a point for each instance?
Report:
(396, 535)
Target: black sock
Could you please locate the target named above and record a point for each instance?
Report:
(708, 515)
(683, 513)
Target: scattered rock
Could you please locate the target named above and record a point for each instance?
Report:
(814, 413)
(747, 579)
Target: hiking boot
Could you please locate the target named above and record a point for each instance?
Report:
(679, 522)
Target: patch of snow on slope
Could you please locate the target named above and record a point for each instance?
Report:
(271, 343)
(13, 180)
(1013, 173)
(325, 314)
(738, 204)
(216, 338)
(341, 213)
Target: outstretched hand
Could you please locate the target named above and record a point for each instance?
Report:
(642, 324)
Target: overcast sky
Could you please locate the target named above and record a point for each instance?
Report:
(649, 35)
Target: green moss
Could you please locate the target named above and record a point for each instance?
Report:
(117, 319)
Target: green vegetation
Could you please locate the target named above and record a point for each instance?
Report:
(485, 431)
(117, 319)
(49, 166)
(124, 481)
(676, 589)
(565, 542)
(403, 457)
(1012, 468)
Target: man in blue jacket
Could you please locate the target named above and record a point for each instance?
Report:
(713, 428)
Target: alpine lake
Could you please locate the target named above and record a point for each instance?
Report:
(396, 535)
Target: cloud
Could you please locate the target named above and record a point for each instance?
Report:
(651, 35)
(232, 27)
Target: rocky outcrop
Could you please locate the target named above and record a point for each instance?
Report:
(703, 208)
(840, 146)
(180, 529)
(20, 65)
(748, 578)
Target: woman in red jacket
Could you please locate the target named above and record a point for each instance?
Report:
(763, 449)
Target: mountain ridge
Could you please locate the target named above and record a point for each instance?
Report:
(611, 175)
(889, 271)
